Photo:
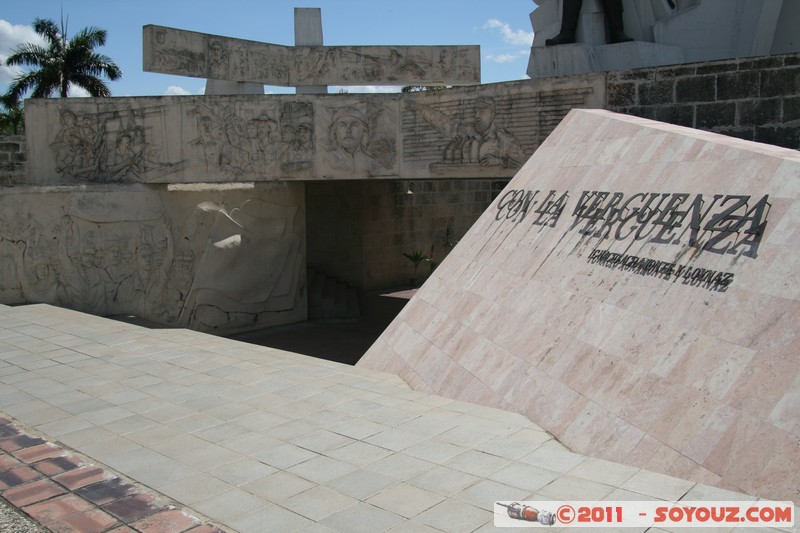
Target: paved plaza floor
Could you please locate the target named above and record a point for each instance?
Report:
(115, 426)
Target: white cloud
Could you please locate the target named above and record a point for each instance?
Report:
(371, 89)
(511, 36)
(7, 74)
(507, 58)
(174, 90)
(12, 35)
(502, 58)
(78, 92)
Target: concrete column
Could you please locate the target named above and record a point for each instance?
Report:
(308, 32)
(232, 87)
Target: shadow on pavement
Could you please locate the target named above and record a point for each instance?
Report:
(344, 341)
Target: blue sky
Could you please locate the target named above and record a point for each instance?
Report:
(501, 28)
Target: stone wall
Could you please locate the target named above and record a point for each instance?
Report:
(431, 220)
(634, 292)
(12, 159)
(663, 33)
(359, 226)
(756, 99)
(481, 131)
(358, 231)
(212, 258)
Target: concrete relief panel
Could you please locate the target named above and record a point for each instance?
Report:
(359, 138)
(474, 132)
(187, 53)
(255, 240)
(489, 132)
(173, 52)
(103, 141)
(212, 139)
(200, 55)
(251, 140)
(214, 261)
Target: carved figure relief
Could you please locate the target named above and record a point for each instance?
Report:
(217, 269)
(257, 242)
(103, 268)
(41, 277)
(218, 59)
(472, 139)
(12, 247)
(358, 142)
(107, 147)
(169, 56)
(297, 119)
(351, 65)
(255, 142)
(174, 51)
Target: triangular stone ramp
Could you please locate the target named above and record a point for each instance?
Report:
(634, 291)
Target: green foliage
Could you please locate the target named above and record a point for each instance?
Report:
(432, 263)
(448, 240)
(417, 258)
(420, 88)
(12, 117)
(61, 63)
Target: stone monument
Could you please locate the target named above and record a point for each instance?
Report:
(191, 210)
(633, 290)
(470, 132)
(199, 55)
(308, 32)
(665, 32)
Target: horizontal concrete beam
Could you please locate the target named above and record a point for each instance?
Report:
(468, 132)
(201, 55)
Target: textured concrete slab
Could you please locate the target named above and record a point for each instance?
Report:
(172, 259)
(634, 291)
(201, 55)
(663, 33)
(187, 142)
(267, 472)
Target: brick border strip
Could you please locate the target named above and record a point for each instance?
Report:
(63, 492)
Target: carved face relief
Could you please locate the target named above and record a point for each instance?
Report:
(304, 135)
(186, 262)
(145, 258)
(350, 133)
(88, 254)
(69, 119)
(217, 54)
(42, 270)
(252, 129)
(113, 254)
(266, 129)
(484, 116)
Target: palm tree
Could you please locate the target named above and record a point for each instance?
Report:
(62, 62)
(12, 118)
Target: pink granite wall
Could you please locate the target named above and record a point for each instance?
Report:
(664, 338)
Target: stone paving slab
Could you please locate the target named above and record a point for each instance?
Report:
(214, 433)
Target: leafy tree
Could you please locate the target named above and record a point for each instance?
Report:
(420, 88)
(62, 62)
(12, 117)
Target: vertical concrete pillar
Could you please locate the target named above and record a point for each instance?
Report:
(308, 32)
